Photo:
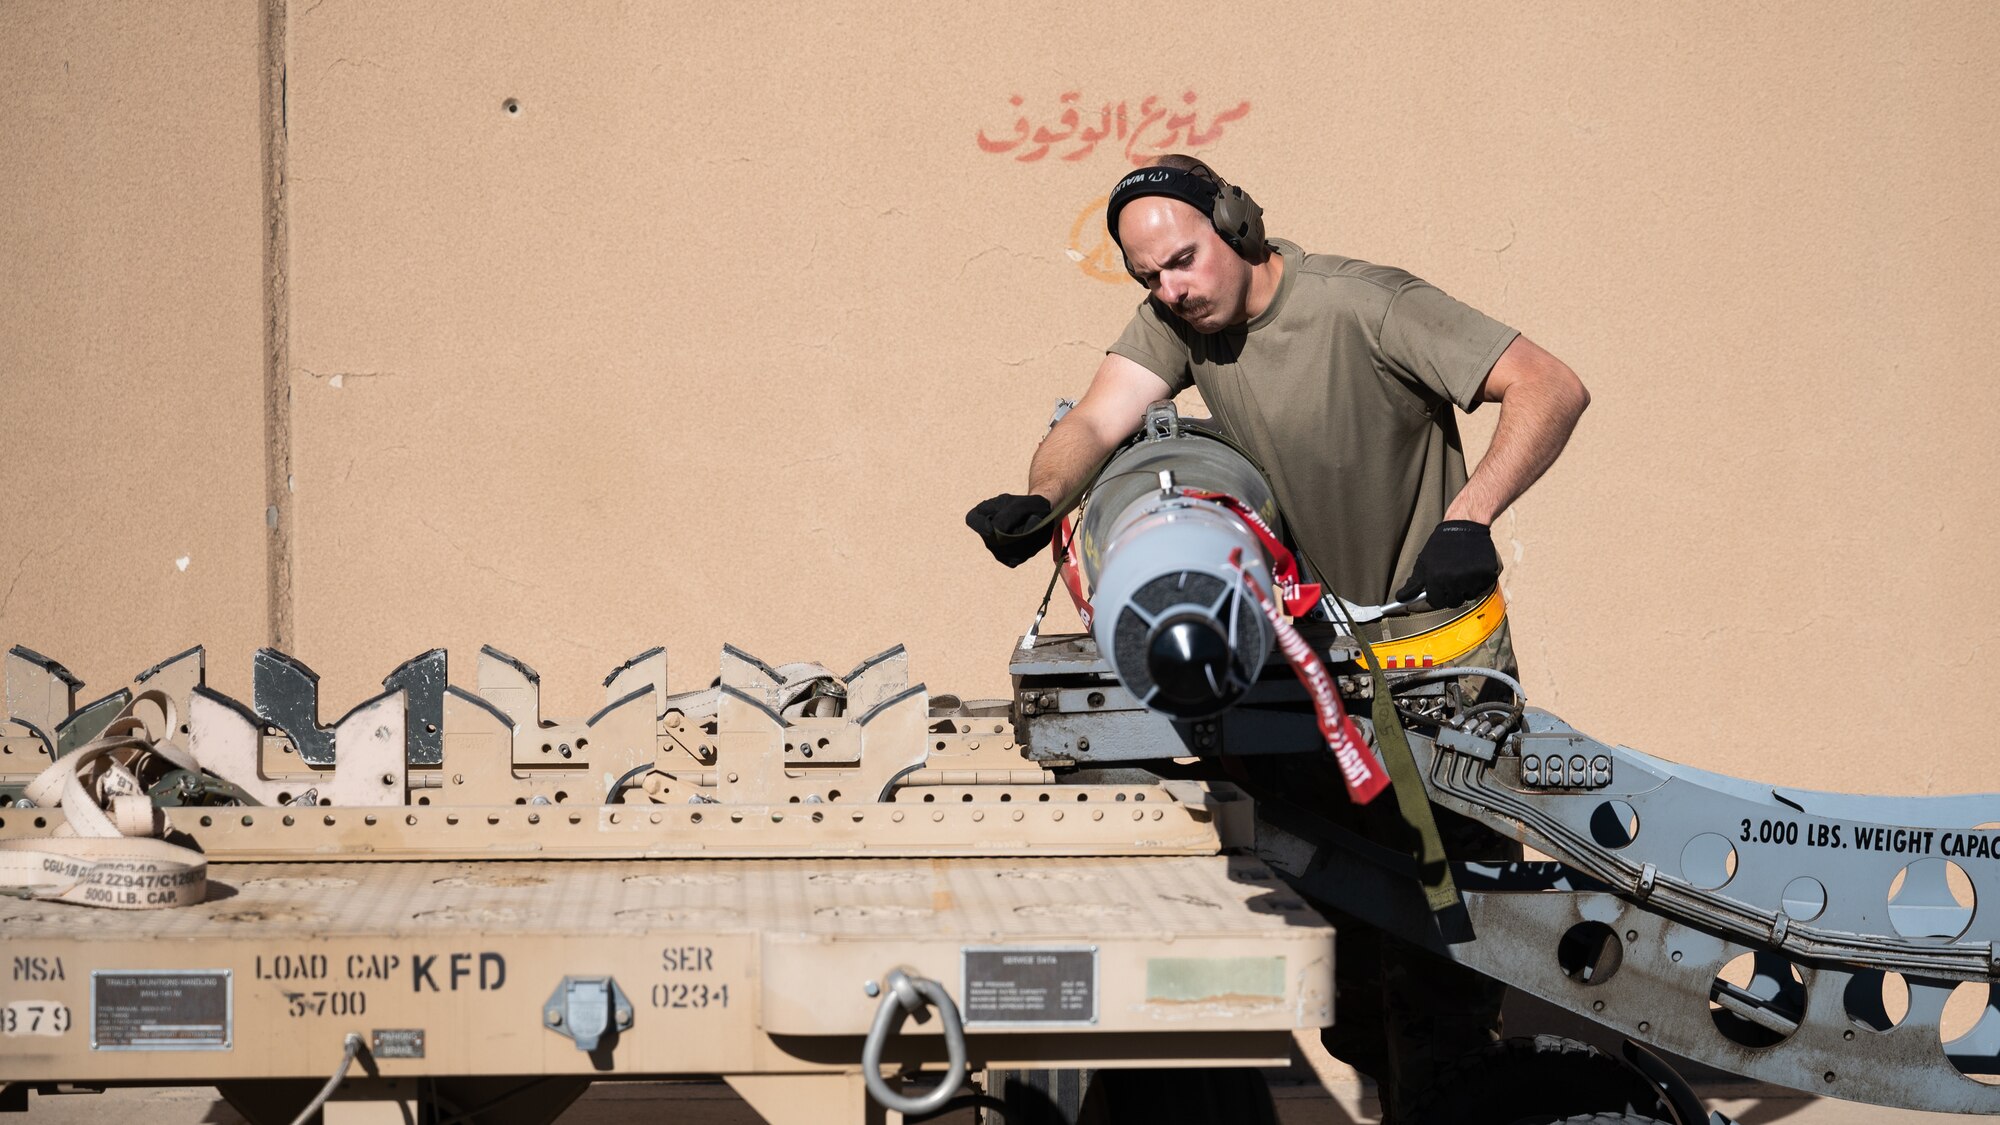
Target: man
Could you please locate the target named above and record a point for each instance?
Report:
(1341, 378)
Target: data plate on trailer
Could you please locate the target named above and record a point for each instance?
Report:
(1030, 987)
(159, 1010)
(398, 1043)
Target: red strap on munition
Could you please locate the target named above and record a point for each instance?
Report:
(1064, 549)
(1364, 776)
(1299, 597)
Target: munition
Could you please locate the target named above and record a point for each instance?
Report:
(1156, 538)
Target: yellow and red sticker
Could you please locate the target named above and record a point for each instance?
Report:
(1436, 648)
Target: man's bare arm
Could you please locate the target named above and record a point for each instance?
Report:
(1110, 410)
(1540, 400)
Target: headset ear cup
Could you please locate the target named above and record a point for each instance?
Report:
(1226, 215)
(1238, 220)
(1253, 225)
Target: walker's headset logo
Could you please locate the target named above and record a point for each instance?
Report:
(1155, 176)
(1073, 134)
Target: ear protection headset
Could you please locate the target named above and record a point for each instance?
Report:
(1236, 217)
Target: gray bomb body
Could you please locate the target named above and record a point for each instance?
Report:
(1170, 613)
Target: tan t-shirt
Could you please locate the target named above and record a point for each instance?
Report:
(1343, 389)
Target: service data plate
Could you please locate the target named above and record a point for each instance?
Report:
(159, 1009)
(1035, 986)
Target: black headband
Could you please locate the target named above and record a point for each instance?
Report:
(1196, 191)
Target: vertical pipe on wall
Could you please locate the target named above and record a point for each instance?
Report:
(277, 337)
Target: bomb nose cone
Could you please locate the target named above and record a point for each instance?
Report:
(1188, 659)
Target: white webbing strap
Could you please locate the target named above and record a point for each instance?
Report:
(123, 873)
(106, 853)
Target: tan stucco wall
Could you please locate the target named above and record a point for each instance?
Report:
(132, 443)
(718, 335)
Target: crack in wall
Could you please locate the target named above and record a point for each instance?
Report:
(356, 63)
(1010, 251)
(471, 559)
(28, 556)
(19, 569)
(1045, 353)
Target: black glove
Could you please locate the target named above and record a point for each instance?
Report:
(1457, 564)
(1003, 522)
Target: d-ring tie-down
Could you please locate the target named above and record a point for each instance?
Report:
(909, 995)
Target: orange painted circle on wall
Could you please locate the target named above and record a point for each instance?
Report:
(1091, 247)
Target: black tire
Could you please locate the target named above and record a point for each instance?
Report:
(1538, 1081)
(1611, 1119)
(1185, 1096)
(1037, 1097)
